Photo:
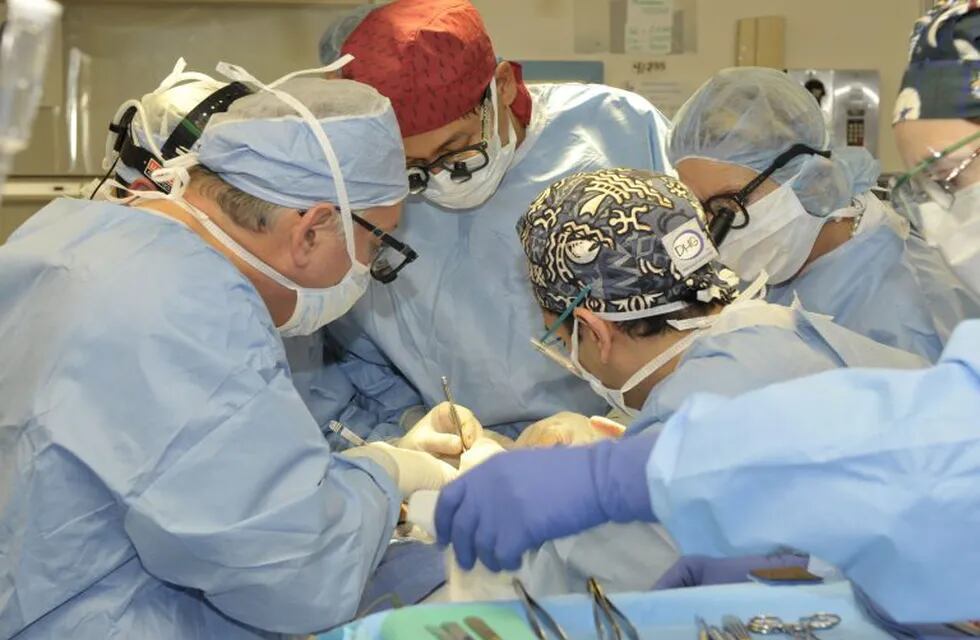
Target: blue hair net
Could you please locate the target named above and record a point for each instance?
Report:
(264, 148)
(333, 38)
(748, 116)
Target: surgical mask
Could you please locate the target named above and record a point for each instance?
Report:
(617, 397)
(930, 219)
(697, 327)
(483, 183)
(778, 238)
(958, 236)
(314, 307)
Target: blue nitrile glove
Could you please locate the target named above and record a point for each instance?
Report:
(517, 501)
(696, 571)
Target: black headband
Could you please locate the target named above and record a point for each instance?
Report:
(181, 139)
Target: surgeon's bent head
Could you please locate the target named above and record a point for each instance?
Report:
(599, 247)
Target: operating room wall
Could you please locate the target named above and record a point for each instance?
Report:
(107, 52)
(847, 34)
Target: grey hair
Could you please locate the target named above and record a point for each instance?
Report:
(324, 99)
(244, 209)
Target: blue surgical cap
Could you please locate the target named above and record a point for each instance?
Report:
(263, 147)
(747, 116)
(335, 35)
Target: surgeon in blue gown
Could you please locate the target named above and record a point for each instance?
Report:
(159, 474)
(464, 308)
(812, 223)
(648, 329)
(874, 470)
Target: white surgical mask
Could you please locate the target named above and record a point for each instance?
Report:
(777, 240)
(929, 218)
(484, 182)
(696, 327)
(617, 397)
(314, 307)
(958, 236)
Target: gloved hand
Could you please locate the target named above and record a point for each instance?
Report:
(566, 428)
(481, 451)
(696, 571)
(499, 438)
(411, 470)
(436, 433)
(518, 500)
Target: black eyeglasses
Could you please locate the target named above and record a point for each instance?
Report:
(393, 256)
(728, 210)
(460, 163)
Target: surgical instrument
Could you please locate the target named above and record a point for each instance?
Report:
(481, 628)
(734, 626)
(706, 632)
(456, 632)
(536, 615)
(437, 633)
(341, 430)
(772, 625)
(452, 411)
(606, 615)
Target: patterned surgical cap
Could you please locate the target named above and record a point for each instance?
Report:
(604, 229)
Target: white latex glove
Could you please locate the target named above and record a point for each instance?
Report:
(481, 450)
(619, 417)
(411, 470)
(502, 440)
(565, 428)
(436, 433)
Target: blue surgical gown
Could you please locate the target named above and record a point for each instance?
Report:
(876, 471)
(363, 395)
(766, 344)
(753, 345)
(464, 309)
(891, 288)
(160, 477)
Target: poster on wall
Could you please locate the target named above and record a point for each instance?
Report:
(638, 27)
(648, 28)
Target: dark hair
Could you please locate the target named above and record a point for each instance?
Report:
(646, 327)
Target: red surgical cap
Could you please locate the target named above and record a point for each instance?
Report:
(432, 58)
